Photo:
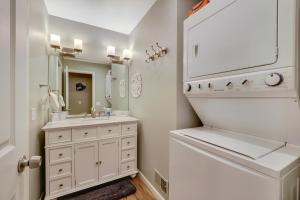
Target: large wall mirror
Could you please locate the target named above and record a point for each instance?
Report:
(83, 85)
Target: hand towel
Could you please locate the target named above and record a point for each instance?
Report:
(54, 104)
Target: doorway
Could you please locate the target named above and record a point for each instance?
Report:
(80, 92)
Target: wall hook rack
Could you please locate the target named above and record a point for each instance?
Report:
(157, 53)
(163, 50)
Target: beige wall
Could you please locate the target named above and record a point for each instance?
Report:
(162, 106)
(38, 63)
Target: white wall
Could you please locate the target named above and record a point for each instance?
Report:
(38, 73)
(162, 106)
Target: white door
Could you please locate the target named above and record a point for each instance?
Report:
(109, 157)
(86, 163)
(14, 99)
(229, 35)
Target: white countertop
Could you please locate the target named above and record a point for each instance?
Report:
(77, 122)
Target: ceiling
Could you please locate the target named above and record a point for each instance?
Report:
(116, 15)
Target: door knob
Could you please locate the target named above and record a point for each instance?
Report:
(32, 163)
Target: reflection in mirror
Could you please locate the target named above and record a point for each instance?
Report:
(85, 85)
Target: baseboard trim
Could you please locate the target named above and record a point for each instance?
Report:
(156, 194)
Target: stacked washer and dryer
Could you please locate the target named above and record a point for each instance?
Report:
(241, 75)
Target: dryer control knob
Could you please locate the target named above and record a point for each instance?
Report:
(273, 79)
(187, 87)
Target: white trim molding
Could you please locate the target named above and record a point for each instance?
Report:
(155, 192)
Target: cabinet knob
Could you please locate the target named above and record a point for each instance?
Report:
(86, 133)
(128, 128)
(60, 155)
(60, 136)
(128, 155)
(61, 185)
(60, 170)
(128, 143)
(109, 130)
(99, 163)
(128, 167)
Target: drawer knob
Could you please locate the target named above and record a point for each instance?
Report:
(60, 136)
(109, 130)
(128, 128)
(99, 163)
(128, 143)
(128, 167)
(86, 133)
(128, 155)
(60, 155)
(60, 170)
(61, 185)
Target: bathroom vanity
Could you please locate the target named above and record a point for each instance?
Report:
(86, 152)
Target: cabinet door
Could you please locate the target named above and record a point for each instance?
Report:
(109, 157)
(86, 163)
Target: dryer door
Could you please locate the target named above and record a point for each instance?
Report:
(229, 35)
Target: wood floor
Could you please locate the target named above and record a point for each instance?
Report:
(142, 191)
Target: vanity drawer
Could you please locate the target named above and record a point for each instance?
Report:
(129, 128)
(110, 130)
(60, 154)
(128, 155)
(127, 167)
(128, 142)
(59, 136)
(60, 170)
(79, 134)
(60, 185)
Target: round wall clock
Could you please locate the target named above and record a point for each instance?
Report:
(136, 85)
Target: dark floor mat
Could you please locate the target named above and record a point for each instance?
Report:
(110, 191)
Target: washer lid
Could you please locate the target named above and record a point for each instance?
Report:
(245, 145)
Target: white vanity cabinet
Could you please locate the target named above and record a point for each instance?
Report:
(85, 154)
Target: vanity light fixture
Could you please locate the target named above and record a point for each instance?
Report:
(127, 54)
(55, 41)
(111, 51)
(65, 51)
(78, 45)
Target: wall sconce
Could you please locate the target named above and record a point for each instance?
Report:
(78, 45)
(55, 41)
(127, 54)
(65, 51)
(111, 52)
